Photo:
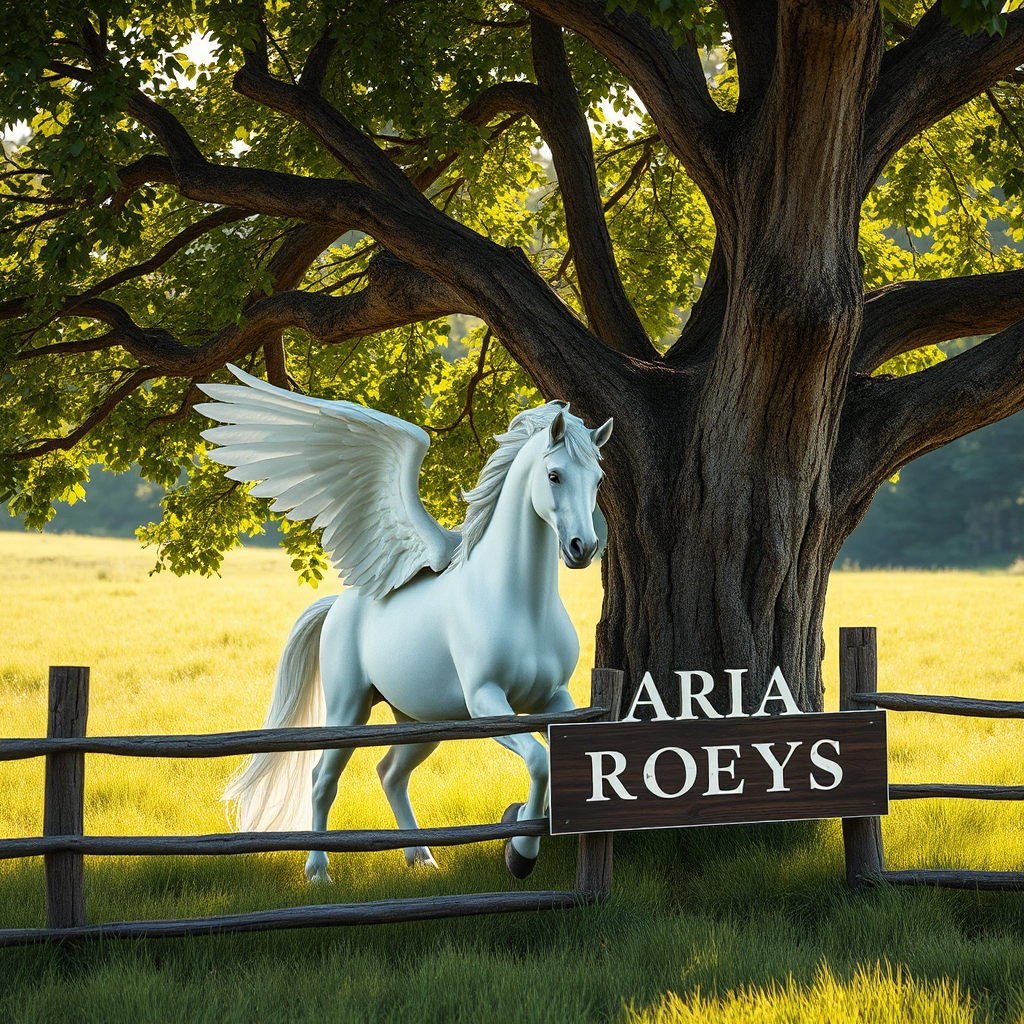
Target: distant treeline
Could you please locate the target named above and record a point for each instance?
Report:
(960, 506)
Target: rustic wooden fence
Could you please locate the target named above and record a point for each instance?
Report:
(862, 837)
(64, 846)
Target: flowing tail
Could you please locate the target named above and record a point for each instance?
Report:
(273, 792)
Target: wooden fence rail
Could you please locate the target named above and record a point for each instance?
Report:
(261, 741)
(222, 843)
(862, 837)
(322, 915)
(971, 706)
(64, 846)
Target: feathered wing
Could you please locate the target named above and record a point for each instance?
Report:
(353, 471)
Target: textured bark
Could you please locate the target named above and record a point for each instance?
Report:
(746, 510)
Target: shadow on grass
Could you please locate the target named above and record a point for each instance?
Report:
(696, 913)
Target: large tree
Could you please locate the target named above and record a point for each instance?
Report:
(715, 222)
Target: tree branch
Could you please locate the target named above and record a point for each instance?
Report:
(145, 170)
(498, 284)
(904, 316)
(888, 421)
(698, 340)
(228, 215)
(314, 71)
(356, 152)
(935, 70)
(396, 295)
(93, 420)
(670, 82)
(287, 268)
(610, 314)
(752, 24)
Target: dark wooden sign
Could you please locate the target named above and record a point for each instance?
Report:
(623, 775)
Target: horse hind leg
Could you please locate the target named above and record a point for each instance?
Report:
(394, 770)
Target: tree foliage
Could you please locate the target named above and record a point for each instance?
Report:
(124, 286)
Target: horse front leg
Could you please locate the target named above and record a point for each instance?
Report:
(490, 699)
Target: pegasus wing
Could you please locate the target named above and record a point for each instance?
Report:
(352, 470)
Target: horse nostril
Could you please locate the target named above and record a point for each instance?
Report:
(576, 547)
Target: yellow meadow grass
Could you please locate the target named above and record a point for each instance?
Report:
(197, 655)
(716, 925)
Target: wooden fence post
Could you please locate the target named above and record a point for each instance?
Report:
(858, 673)
(594, 854)
(64, 800)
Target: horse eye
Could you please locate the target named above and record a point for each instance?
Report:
(554, 477)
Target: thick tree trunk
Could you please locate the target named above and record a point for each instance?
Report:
(735, 578)
(721, 539)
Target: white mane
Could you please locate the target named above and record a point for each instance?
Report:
(482, 498)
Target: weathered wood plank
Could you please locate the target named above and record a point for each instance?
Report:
(594, 853)
(226, 744)
(924, 790)
(64, 797)
(858, 683)
(993, 881)
(319, 916)
(941, 705)
(217, 844)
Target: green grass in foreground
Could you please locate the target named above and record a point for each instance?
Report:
(733, 924)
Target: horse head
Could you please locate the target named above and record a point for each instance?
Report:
(564, 485)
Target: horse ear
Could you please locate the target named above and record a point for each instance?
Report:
(602, 433)
(557, 429)
(564, 406)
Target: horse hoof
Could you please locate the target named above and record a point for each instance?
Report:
(518, 865)
(419, 857)
(316, 868)
(511, 813)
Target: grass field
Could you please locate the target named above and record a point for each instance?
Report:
(733, 924)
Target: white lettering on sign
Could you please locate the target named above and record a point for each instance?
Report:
(783, 693)
(826, 764)
(695, 689)
(778, 768)
(651, 700)
(687, 695)
(651, 772)
(599, 776)
(607, 766)
(736, 691)
(715, 769)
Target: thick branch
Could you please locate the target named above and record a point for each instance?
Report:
(152, 168)
(904, 316)
(698, 340)
(934, 71)
(752, 24)
(358, 153)
(610, 314)
(888, 421)
(287, 268)
(315, 69)
(396, 295)
(670, 81)
(498, 284)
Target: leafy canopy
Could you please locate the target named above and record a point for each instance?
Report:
(949, 203)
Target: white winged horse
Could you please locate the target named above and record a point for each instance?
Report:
(440, 624)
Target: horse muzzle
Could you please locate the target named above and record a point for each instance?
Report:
(578, 555)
